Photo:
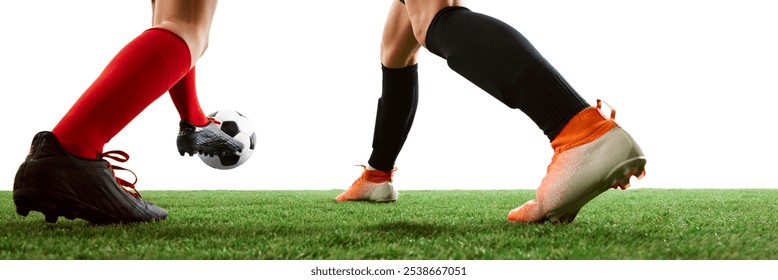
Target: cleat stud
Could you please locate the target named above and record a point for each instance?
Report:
(182, 153)
(22, 211)
(642, 174)
(50, 218)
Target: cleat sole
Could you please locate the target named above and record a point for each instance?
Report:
(211, 152)
(617, 178)
(54, 205)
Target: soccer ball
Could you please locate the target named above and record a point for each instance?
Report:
(239, 127)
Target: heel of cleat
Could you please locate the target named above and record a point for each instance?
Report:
(190, 153)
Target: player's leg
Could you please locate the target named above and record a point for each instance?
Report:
(66, 172)
(184, 96)
(159, 57)
(396, 109)
(591, 152)
(197, 134)
(184, 92)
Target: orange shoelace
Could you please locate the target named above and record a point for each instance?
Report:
(121, 156)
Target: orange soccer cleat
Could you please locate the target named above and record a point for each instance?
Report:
(591, 155)
(373, 185)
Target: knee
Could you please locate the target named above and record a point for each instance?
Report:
(398, 55)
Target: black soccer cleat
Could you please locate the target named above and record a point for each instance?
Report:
(56, 183)
(208, 140)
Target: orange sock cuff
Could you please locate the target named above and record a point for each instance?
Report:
(378, 176)
(584, 127)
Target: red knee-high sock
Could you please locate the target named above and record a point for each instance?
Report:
(184, 95)
(140, 73)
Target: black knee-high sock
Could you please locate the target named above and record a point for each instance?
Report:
(396, 109)
(498, 59)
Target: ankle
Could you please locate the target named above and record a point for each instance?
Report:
(584, 127)
(378, 176)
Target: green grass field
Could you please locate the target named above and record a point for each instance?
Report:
(643, 224)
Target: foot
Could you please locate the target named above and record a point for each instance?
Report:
(56, 183)
(373, 185)
(591, 155)
(207, 140)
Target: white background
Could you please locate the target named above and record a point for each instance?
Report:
(692, 81)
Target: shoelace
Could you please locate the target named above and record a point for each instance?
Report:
(121, 156)
(214, 121)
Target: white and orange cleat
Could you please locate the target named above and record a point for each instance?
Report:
(373, 185)
(591, 155)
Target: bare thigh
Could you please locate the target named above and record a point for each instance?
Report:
(421, 13)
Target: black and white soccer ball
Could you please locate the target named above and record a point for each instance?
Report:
(239, 127)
